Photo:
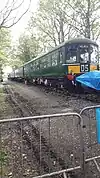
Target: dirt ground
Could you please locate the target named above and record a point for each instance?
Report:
(41, 102)
(50, 102)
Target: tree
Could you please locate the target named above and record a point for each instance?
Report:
(57, 21)
(84, 17)
(26, 49)
(5, 42)
(11, 11)
(13, 59)
(51, 23)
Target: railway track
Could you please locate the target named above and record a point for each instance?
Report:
(93, 97)
(34, 143)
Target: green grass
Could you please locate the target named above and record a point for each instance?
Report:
(1, 89)
(5, 108)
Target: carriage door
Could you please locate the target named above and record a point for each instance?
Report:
(84, 58)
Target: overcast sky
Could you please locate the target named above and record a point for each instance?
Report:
(20, 26)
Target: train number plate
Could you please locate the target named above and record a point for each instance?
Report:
(84, 68)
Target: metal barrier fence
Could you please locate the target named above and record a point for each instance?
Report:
(41, 146)
(51, 145)
(91, 136)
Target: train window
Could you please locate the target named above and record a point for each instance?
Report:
(41, 63)
(61, 55)
(84, 58)
(71, 53)
(44, 62)
(31, 66)
(37, 65)
(54, 58)
(34, 66)
(84, 53)
(71, 56)
(49, 61)
(94, 54)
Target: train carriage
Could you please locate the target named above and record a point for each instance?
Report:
(60, 66)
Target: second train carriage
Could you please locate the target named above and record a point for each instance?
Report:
(60, 66)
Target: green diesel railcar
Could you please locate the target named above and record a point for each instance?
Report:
(63, 64)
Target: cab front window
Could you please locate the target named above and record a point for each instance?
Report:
(72, 54)
(84, 53)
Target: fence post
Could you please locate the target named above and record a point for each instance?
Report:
(83, 151)
(64, 174)
(82, 147)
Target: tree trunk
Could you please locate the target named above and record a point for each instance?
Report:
(61, 28)
(88, 21)
(62, 31)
